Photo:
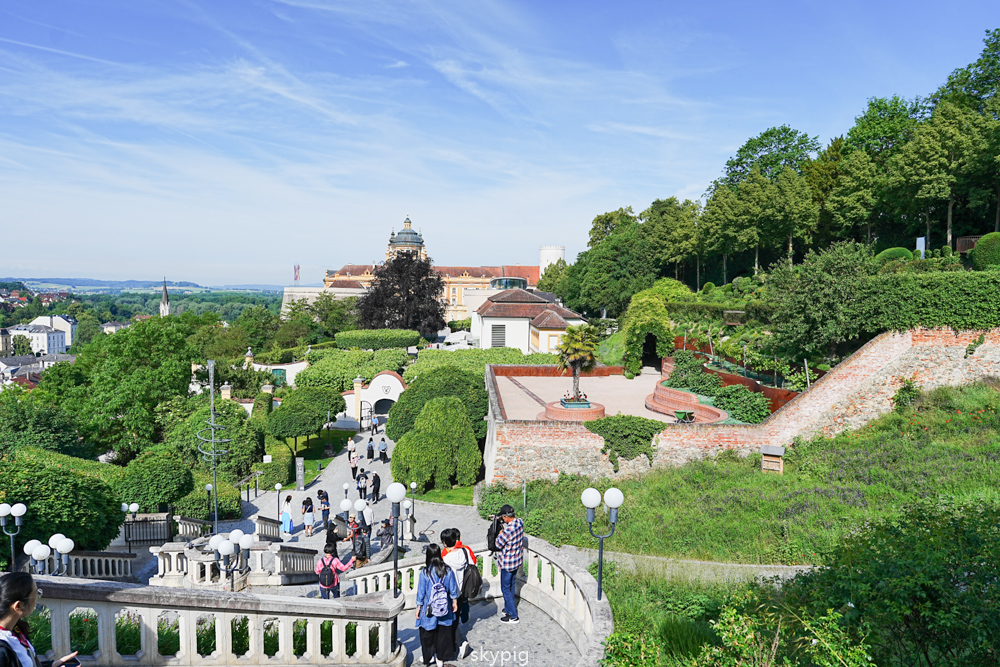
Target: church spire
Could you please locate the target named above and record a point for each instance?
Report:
(164, 300)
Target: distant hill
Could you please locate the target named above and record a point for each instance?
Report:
(254, 287)
(106, 284)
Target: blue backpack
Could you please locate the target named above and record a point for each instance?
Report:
(438, 605)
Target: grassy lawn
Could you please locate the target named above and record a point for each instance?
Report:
(726, 509)
(312, 450)
(461, 495)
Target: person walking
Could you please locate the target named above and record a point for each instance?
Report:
(286, 516)
(510, 558)
(355, 460)
(362, 480)
(383, 451)
(374, 428)
(357, 542)
(324, 507)
(371, 449)
(437, 602)
(376, 487)
(308, 518)
(459, 558)
(18, 598)
(329, 568)
(384, 535)
(367, 521)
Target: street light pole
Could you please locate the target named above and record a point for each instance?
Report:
(17, 511)
(214, 454)
(591, 498)
(395, 493)
(277, 492)
(208, 502)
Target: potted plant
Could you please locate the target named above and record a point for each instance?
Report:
(578, 352)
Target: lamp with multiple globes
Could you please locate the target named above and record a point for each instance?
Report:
(591, 499)
(132, 509)
(231, 554)
(17, 511)
(38, 554)
(395, 493)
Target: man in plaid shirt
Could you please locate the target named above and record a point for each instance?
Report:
(510, 558)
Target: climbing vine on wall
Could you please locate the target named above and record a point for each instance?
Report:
(626, 436)
(647, 314)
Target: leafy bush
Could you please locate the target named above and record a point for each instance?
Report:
(917, 584)
(647, 314)
(108, 473)
(891, 254)
(246, 440)
(320, 400)
(60, 500)
(626, 436)
(946, 251)
(440, 448)
(26, 421)
(905, 395)
(742, 404)
(281, 469)
(158, 477)
(460, 325)
(195, 504)
(986, 252)
(689, 373)
(954, 299)
(338, 368)
(440, 381)
(708, 287)
(262, 405)
(377, 339)
(472, 360)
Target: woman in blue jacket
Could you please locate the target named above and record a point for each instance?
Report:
(437, 602)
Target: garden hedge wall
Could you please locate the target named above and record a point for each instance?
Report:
(473, 360)
(195, 504)
(281, 469)
(377, 339)
(337, 369)
(901, 301)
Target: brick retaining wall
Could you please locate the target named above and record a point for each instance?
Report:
(858, 390)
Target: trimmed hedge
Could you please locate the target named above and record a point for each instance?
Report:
(319, 400)
(441, 448)
(110, 474)
(891, 254)
(262, 405)
(986, 253)
(460, 325)
(377, 339)
(742, 404)
(441, 381)
(901, 301)
(689, 373)
(338, 368)
(281, 469)
(698, 310)
(195, 504)
(158, 477)
(474, 360)
(60, 500)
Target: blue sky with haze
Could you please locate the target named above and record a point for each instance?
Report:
(224, 141)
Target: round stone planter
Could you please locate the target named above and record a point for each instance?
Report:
(574, 405)
(554, 411)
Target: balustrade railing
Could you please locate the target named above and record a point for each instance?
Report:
(266, 529)
(563, 591)
(181, 565)
(92, 564)
(208, 628)
(191, 528)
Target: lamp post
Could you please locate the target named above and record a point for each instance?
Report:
(413, 494)
(214, 454)
(133, 508)
(408, 506)
(591, 498)
(17, 511)
(395, 493)
(347, 487)
(38, 554)
(237, 544)
(345, 509)
(208, 504)
(277, 492)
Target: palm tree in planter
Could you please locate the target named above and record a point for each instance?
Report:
(577, 351)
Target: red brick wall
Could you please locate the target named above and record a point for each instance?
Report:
(511, 370)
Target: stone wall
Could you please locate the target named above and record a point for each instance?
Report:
(858, 390)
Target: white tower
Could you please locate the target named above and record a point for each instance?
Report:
(164, 301)
(550, 254)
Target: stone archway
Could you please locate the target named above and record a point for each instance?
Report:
(382, 406)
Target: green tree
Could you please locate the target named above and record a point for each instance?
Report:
(617, 268)
(793, 213)
(183, 419)
(814, 302)
(822, 175)
(158, 477)
(292, 423)
(551, 280)
(20, 345)
(27, 421)
(440, 448)
(606, 224)
(322, 401)
(405, 294)
(441, 381)
(769, 152)
(853, 200)
(578, 352)
(334, 314)
(670, 228)
(258, 326)
(977, 83)
(88, 328)
(720, 223)
(887, 124)
(755, 197)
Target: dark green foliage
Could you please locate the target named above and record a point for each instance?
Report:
(158, 477)
(891, 254)
(20, 345)
(708, 287)
(960, 300)
(246, 439)
(281, 469)
(60, 500)
(474, 361)
(440, 449)
(986, 253)
(742, 404)
(294, 422)
(921, 586)
(689, 373)
(771, 151)
(626, 436)
(377, 339)
(337, 369)
(262, 405)
(405, 294)
(460, 325)
(648, 315)
(245, 382)
(26, 421)
(946, 251)
(195, 504)
(440, 381)
(321, 401)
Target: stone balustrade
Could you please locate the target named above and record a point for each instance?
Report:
(266, 529)
(92, 565)
(564, 592)
(190, 529)
(349, 631)
(191, 565)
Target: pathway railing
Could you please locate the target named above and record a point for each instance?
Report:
(566, 593)
(92, 564)
(266, 529)
(191, 528)
(277, 630)
(193, 565)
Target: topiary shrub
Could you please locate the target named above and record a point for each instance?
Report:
(440, 449)
(986, 252)
(262, 405)
(890, 254)
(158, 477)
(195, 504)
(440, 381)
(708, 287)
(946, 251)
(294, 422)
(742, 404)
(626, 436)
(321, 400)
(377, 339)
(281, 469)
(647, 314)
(460, 325)
(60, 500)
(338, 368)
(689, 373)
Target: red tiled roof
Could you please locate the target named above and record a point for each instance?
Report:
(528, 311)
(344, 283)
(549, 320)
(529, 273)
(356, 269)
(516, 296)
(473, 271)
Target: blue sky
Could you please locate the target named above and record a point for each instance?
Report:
(225, 141)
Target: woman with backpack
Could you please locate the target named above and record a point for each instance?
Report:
(437, 602)
(329, 568)
(371, 449)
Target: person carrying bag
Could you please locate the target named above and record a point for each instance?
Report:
(437, 602)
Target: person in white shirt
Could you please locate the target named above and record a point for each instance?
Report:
(458, 557)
